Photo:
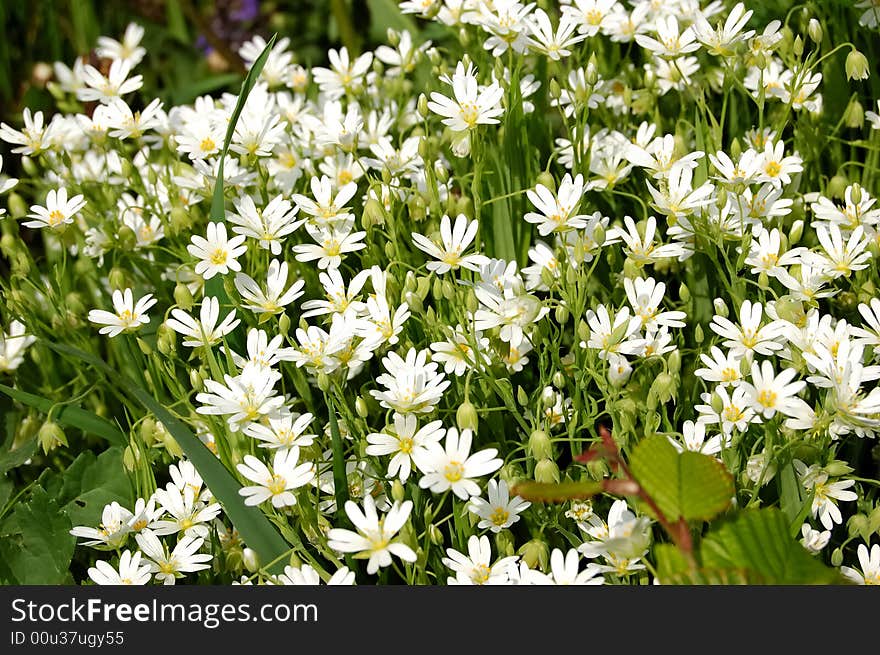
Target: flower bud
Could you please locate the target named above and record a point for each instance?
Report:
(196, 379)
(180, 220)
(50, 435)
(521, 396)
(398, 492)
(836, 557)
(561, 313)
(798, 46)
(466, 416)
(559, 380)
(539, 446)
(547, 471)
(435, 535)
(856, 65)
(129, 459)
(126, 238)
(814, 30)
(698, 334)
(548, 397)
(360, 406)
(504, 544)
(373, 214)
(535, 553)
(837, 468)
(422, 106)
(720, 307)
(857, 526)
(16, 204)
(283, 324)
(118, 279)
(250, 559)
(673, 362)
(856, 193)
(854, 115)
(546, 179)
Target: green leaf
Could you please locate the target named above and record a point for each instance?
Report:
(92, 482)
(686, 485)
(70, 415)
(14, 458)
(218, 205)
(549, 492)
(340, 479)
(214, 286)
(669, 560)
(758, 542)
(42, 547)
(251, 523)
(706, 576)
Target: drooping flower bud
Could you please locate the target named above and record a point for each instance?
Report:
(539, 446)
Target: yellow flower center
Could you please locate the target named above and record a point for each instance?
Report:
(453, 471)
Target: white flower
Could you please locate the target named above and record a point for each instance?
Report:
(330, 245)
(769, 393)
(565, 570)
(453, 467)
(129, 572)
(723, 40)
(404, 442)
(276, 297)
(411, 385)
(216, 253)
(476, 567)
(870, 563)
(129, 316)
(113, 530)
(58, 210)
(471, 106)
(643, 250)
(326, 208)
(814, 540)
(454, 241)
(243, 399)
(306, 575)
(736, 411)
(168, 566)
(694, 439)
(559, 211)
(553, 44)
(283, 432)
(670, 42)
(278, 483)
(375, 537)
(104, 89)
(645, 296)
(129, 49)
(721, 368)
(205, 331)
(186, 513)
(13, 345)
(343, 74)
(500, 510)
(749, 337)
(621, 541)
(269, 226)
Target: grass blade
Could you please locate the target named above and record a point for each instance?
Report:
(251, 523)
(214, 286)
(70, 416)
(340, 480)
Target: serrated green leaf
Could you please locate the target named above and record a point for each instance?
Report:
(685, 485)
(42, 547)
(96, 482)
(548, 492)
(69, 415)
(706, 576)
(251, 523)
(669, 561)
(758, 542)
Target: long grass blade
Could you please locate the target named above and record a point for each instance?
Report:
(70, 416)
(251, 523)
